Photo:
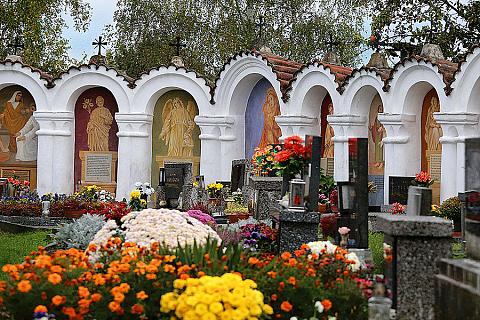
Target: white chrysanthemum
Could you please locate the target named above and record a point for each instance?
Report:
(353, 257)
(169, 227)
(318, 246)
(109, 230)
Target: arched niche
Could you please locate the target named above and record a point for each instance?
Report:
(18, 139)
(327, 134)
(175, 136)
(431, 148)
(261, 128)
(96, 141)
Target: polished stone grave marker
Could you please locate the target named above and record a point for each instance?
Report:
(239, 176)
(398, 189)
(178, 179)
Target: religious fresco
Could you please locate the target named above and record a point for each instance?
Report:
(261, 129)
(95, 126)
(431, 132)
(327, 132)
(18, 138)
(175, 135)
(376, 133)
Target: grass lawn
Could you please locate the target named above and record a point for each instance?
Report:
(15, 246)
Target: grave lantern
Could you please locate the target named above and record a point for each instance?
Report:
(297, 195)
(161, 177)
(346, 197)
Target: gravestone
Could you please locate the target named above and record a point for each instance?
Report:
(460, 278)
(417, 244)
(314, 145)
(375, 199)
(239, 176)
(266, 191)
(353, 195)
(398, 189)
(178, 179)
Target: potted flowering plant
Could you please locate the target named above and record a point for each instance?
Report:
(323, 203)
(263, 161)
(214, 190)
(423, 179)
(18, 186)
(291, 160)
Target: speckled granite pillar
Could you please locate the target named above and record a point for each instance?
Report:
(418, 243)
(297, 228)
(267, 192)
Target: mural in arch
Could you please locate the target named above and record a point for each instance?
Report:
(376, 153)
(327, 134)
(18, 138)
(431, 132)
(175, 135)
(261, 129)
(96, 141)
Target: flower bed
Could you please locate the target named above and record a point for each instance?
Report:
(132, 282)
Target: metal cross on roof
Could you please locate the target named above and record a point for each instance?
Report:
(259, 26)
(16, 45)
(178, 44)
(98, 43)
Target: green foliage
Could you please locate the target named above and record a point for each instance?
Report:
(455, 24)
(375, 243)
(450, 209)
(39, 25)
(79, 233)
(214, 30)
(327, 184)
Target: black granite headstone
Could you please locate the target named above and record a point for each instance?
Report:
(353, 195)
(3, 187)
(398, 189)
(238, 176)
(314, 147)
(375, 199)
(472, 196)
(174, 180)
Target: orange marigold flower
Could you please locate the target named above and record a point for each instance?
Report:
(292, 262)
(151, 276)
(142, 295)
(124, 287)
(327, 304)
(3, 286)
(99, 280)
(292, 281)
(253, 261)
(286, 306)
(56, 269)
(58, 300)
(168, 268)
(83, 292)
(137, 309)
(272, 274)
(299, 253)
(114, 307)
(54, 278)
(201, 274)
(184, 276)
(281, 285)
(119, 297)
(96, 297)
(304, 247)
(43, 295)
(92, 248)
(286, 255)
(206, 256)
(69, 311)
(40, 308)
(24, 286)
(84, 303)
(274, 297)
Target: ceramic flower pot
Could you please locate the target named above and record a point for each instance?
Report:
(344, 240)
(322, 207)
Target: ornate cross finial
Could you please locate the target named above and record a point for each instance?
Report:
(259, 26)
(99, 44)
(178, 44)
(16, 45)
(331, 44)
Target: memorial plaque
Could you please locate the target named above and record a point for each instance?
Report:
(21, 174)
(98, 167)
(398, 189)
(376, 199)
(436, 166)
(327, 165)
(174, 180)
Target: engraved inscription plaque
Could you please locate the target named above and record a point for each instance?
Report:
(98, 167)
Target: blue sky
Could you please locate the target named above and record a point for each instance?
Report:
(81, 42)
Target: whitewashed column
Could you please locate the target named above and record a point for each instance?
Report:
(55, 160)
(402, 156)
(214, 162)
(297, 125)
(456, 128)
(134, 151)
(345, 127)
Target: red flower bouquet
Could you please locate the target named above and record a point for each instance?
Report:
(292, 159)
(423, 179)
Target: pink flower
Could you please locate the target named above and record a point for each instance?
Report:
(343, 230)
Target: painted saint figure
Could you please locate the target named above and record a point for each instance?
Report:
(328, 151)
(433, 131)
(377, 133)
(27, 142)
(271, 131)
(178, 125)
(98, 127)
(14, 118)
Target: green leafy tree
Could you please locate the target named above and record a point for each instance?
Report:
(214, 30)
(452, 24)
(38, 25)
